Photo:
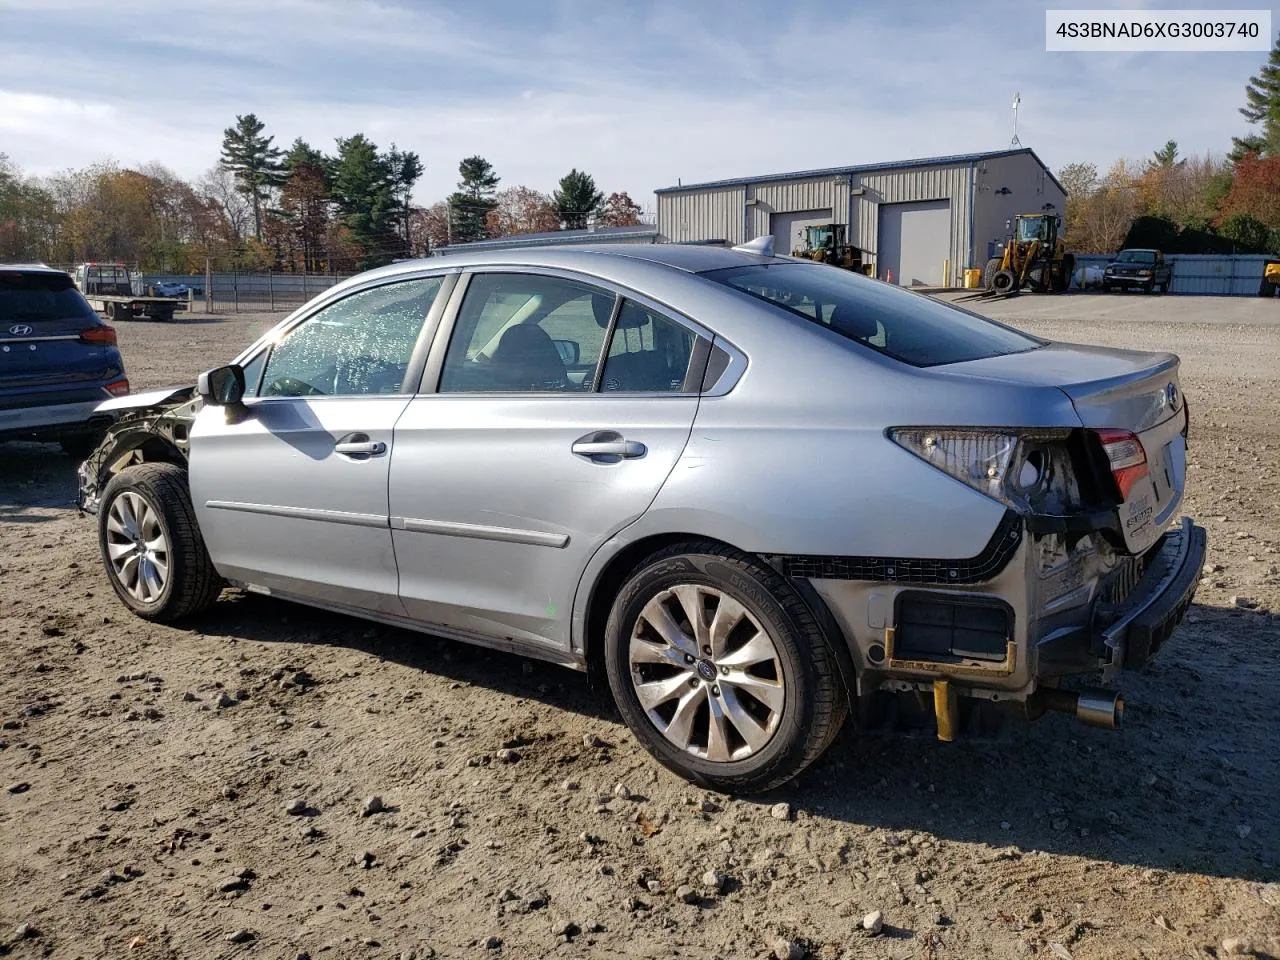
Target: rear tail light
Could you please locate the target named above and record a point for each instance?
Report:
(1029, 470)
(103, 336)
(118, 388)
(1127, 458)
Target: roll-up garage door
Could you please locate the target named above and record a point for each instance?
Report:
(913, 242)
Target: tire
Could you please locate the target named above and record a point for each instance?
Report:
(989, 272)
(155, 496)
(1148, 287)
(800, 702)
(1005, 282)
(1062, 277)
(1106, 287)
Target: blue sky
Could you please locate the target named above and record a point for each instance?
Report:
(638, 94)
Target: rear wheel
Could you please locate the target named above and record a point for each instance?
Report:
(720, 670)
(151, 546)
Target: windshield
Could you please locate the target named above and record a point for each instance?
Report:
(1033, 228)
(1137, 256)
(908, 327)
(40, 296)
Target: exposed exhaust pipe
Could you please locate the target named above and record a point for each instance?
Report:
(1097, 708)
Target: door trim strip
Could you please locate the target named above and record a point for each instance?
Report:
(477, 531)
(301, 513)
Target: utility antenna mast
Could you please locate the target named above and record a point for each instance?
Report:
(1015, 142)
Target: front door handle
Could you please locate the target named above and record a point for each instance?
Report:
(608, 447)
(359, 445)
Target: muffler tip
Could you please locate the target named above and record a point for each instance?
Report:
(1100, 708)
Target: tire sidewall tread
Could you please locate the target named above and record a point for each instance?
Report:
(193, 584)
(816, 704)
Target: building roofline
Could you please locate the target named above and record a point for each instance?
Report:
(951, 161)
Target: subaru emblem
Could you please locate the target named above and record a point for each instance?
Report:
(20, 330)
(1171, 395)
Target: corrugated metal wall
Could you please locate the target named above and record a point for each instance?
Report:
(931, 183)
(1202, 274)
(715, 214)
(743, 212)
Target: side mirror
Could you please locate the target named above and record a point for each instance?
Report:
(568, 350)
(222, 386)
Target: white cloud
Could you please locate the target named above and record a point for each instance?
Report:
(637, 97)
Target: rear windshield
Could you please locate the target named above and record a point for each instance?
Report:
(908, 327)
(27, 297)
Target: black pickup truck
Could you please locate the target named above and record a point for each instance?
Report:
(1145, 269)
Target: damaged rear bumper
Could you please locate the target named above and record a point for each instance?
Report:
(1158, 602)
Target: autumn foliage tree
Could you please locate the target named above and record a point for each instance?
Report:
(1255, 190)
(521, 210)
(619, 210)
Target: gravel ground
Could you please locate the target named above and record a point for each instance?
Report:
(210, 791)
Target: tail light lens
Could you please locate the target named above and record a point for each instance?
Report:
(118, 388)
(1030, 471)
(103, 336)
(1127, 458)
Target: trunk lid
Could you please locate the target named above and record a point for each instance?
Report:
(1114, 389)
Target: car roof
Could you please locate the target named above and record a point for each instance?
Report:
(591, 258)
(1139, 250)
(29, 268)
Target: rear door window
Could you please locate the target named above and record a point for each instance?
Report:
(909, 327)
(649, 353)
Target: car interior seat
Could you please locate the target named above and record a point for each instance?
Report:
(527, 359)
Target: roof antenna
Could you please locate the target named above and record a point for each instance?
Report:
(1015, 142)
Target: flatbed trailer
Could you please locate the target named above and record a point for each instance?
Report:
(128, 308)
(109, 290)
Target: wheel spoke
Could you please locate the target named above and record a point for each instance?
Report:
(659, 617)
(119, 552)
(161, 567)
(759, 649)
(768, 692)
(729, 613)
(690, 598)
(657, 692)
(126, 514)
(718, 732)
(680, 730)
(114, 525)
(755, 734)
(645, 651)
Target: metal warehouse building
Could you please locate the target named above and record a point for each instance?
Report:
(920, 221)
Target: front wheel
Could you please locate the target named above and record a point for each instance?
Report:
(720, 670)
(152, 549)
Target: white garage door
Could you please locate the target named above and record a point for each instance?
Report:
(788, 229)
(914, 240)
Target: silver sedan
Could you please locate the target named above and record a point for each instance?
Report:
(754, 492)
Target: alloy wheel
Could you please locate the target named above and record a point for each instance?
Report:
(137, 547)
(707, 674)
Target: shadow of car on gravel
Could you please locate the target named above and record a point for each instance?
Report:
(1187, 785)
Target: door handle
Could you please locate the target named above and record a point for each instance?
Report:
(359, 445)
(612, 449)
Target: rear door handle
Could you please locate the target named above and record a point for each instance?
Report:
(608, 448)
(359, 445)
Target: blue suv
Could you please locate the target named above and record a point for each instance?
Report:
(58, 360)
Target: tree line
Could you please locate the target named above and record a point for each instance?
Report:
(262, 207)
(1207, 204)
